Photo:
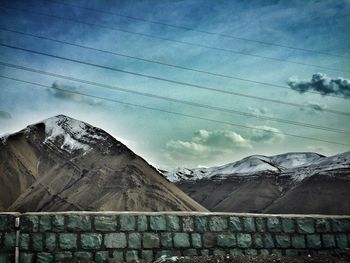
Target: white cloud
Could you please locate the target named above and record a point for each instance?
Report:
(265, 134)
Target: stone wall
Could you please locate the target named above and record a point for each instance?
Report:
(122, 236)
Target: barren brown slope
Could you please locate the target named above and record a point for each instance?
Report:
(41, 170)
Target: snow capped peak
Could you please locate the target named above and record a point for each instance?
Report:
(73, 134)
(294, 159)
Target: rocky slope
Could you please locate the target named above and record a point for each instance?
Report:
(303, 183)
(63, 164)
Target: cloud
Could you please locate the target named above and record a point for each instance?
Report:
(207, 144)
(322, 84)
(313, 107)
(261, 111)
(265, 134)
(5, 115)
(57, 92)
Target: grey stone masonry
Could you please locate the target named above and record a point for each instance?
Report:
(131, 236)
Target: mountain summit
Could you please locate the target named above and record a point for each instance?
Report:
(63, 164)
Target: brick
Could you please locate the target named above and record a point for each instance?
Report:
(204, 252)
(276, 252)
(260, 224)
(219, 252)
(236, 252)
(187, 224)
(248, 224)
(328, 240)
(147, 255)
(288, 225)
(150, 240)
(166, 240)
(190, 252)
(258, 241)
(115, 240)
(62, 255)
(105, 223)
(91, 241)
(132, 256)
(235, 224)
(24, 258)
(291, 252)
(226, 240)
(101, 256)
(244, 240)
(282, 241)
(79, 223)
(273, 224)
(45, 223)
(323, 225)
(58, 223)
(24, 241)
(341, 225)
(264, 252)
(45, 257)
(50, 241)
(68, 241)
(298, 241)
(142, 223)
(134, 240)
(196, 240)
(29, 223)
(217, 223)
(173, 223)
(305, 225)
(37, 242)
(209, 240)
(181, 240)
(268, 241)
(127, 223)
(251, 252)
(342, 241)
(83, 255)
(157, 223)
(118, 255)
(313, 241)
(201, 223)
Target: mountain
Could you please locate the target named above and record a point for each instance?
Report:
(63, 164)
(292, 183)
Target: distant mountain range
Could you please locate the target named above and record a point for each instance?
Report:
(63, 164)
(286, 183)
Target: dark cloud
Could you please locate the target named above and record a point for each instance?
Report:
(5, 115)
(322, 84)
(57, 91)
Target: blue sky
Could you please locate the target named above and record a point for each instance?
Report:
(170, 140)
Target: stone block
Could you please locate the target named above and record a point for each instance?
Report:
(236, 252)
(313, 241)
(181, 240)
(196, 240)
(78, 223)
(91, 240)
(244, 240)
(63, 255)
(298, 241)
(3, 222)
(118, 256)
(5, 258)
(273, 224)
(147, 255)
(150, 240)
(277, 252)
(45, 223)
(23, 258)
(209, 240)
(306, 225)
(291, 252)
(264, 252)
(328, 240)
(83, 255)
(168, 253)
(101, 256)
(115, 240)
(68, 241)
(226, 240)
(24, 241)
(322, 225)
(204, 252)
(190, 252)
(45, 257)
(258, 241)
(282, 241)
(50, 241)
(29, 223)
(127, 223)
(134, 240)
(342, 241)
(142, 223)
(249, 224)
(131, 256)
(251, 252)
(268, 241)
(187, 224)
(217, 223)
(288, 225)
(157, 223)
(219, 252)
(37, 242)
(201, 223)
(58, 223)
(166, 240)
(173, 223)
(341, 225)
(260, 224)
(105, 223)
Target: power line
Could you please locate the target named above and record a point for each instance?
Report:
(174, 40)
(198, 30)
(162, 63)
(194, 104)
(169, 80)
(172, 112)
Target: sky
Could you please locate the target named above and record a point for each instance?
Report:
(313, 86)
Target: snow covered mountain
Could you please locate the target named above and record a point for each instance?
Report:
(63, 164)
